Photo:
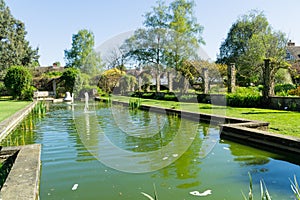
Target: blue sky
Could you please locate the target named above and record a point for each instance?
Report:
(51, 23)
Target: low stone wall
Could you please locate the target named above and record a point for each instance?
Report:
(9, 124)
(245, 133)
(285, 103)
(23, 180)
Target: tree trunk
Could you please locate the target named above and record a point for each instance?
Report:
(268, 82)
(157, 82)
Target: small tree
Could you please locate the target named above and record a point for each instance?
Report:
(17, 80)
(110, 79)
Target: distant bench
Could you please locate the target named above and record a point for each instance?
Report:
(43, 94)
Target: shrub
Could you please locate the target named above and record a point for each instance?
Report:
(27, 94)
(282, 89)
(295, 91)
(17, 80)
(244, 97)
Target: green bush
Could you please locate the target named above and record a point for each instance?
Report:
(282, 89)
(244, 97)
(3, 90)
(17, 81)
(188, 98)
(27, 94)
(69, 76)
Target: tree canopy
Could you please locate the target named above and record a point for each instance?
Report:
(250, 40)
(14, 48)
(82, 54)
(170, 36)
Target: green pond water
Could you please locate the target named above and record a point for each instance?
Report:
(112, 152)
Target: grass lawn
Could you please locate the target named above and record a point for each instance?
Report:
(282, 122)
(9, 107)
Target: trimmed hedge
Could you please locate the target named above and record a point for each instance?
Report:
(243, 97)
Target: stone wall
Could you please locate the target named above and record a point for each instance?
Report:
(285, 103)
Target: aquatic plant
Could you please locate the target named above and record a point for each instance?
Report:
(40, 109)
(149, 196)
(264, 193)
(135, 103)
(295, 188)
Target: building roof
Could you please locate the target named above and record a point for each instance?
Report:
(293, 51)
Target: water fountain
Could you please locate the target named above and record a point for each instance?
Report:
(86, 106)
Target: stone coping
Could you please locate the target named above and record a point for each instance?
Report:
(23, 180)
(249, 132)
(7, 125)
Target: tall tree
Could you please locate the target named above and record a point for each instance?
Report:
(236, 45)
(250, 41)
(148, 44)
(186, 33)
(14, 48)
(82, 54)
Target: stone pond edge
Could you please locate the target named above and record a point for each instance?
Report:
(248, 132)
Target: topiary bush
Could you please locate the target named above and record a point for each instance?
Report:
(18, 82)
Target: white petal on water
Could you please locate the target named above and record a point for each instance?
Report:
(175, 155)
(199, 194)
(75, 186)
(165, 158)
(226, 148)
(147, 195)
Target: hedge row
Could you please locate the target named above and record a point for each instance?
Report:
(234, 99)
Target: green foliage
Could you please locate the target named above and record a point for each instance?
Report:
(283, 77)
(18, 80)
(109, 80)
(53, 74)
(282, 89)
(250, 40)
(264, 193)
(295, 187)
(295, 92)
(82, 54)
(170, 37)
(14, 48)
(27, 94)
(3, 90)
(40, 109)
(244, 97)
(135, 103)
(69, 76)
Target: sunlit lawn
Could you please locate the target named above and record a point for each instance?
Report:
(9, 107)
(283, 122)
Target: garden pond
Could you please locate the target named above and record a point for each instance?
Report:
(113, 152)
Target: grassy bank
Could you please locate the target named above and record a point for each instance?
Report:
(10, 107)
(282, 122)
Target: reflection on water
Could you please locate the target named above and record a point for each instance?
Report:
(73, 144)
